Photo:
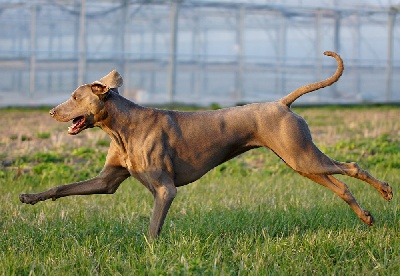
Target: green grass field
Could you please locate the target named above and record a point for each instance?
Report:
(250, 216)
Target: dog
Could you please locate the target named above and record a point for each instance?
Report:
(166, 149)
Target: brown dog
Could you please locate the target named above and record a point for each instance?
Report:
(167, 149)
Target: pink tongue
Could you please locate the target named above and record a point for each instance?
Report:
(76, 123)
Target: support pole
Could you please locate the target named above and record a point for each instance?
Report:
(318, 43)
(123, 40)
(336, 42)
(195, 74)
(240, 50)
(155, 22)
(389, 64)
(281, 50)
(173, 23)
(357, 52)
(82, 44)
(32, 65)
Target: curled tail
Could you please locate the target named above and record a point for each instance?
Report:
(289, 99)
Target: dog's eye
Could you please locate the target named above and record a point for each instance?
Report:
(74, 97)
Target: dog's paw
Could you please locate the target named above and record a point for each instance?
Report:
(368, 218)
(387, 192)
(29, 198)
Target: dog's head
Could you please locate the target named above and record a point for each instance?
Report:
(86, 106)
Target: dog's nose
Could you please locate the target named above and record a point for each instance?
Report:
(52, 112)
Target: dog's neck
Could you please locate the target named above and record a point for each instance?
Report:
(128, 115)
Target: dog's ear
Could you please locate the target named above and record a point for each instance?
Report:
(100, 89)
(112, 80)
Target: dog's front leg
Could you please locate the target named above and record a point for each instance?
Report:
(107, 182)
(164, 192)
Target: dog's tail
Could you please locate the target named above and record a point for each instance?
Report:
(289, 99)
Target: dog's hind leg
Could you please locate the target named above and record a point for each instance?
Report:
(343, 192)
(354, 170)
(303, 156)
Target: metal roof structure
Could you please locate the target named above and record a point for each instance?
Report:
(199, 51)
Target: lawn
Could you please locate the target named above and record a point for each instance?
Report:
(250, 216)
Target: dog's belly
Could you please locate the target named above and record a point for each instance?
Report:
(187, 172)
(184, 177)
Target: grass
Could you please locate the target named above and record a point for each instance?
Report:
(250, 216)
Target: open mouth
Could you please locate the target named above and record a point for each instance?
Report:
(78, 124)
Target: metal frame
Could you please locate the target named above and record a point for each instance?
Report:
(143, 40)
